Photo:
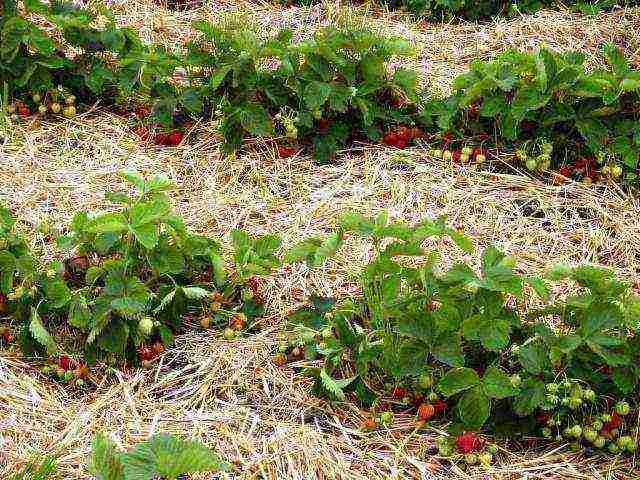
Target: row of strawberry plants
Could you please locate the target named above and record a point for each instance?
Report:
(134, 277)
(463, 345)
(486, 9)
(489, 350)
(327, 91)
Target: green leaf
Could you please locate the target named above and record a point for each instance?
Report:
(625, 379)
(104, 461)
(497, 384)
(79, 313)
(316, 94)
(107, 223)
(328, 248)
(534, 357)
(333, 386)
(532, 395)
(40, 333)
(458, 379)
(448, 350)
(474, 408)
(167, 456)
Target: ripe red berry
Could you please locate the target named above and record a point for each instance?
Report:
(390, 138)
(286, 152)
(426, 411)
(160, 139)
(175, 138)
(483, 136)
(440, 407)
(468, 442)
(404, 134)
(399, 392)
(65, 362)
(456, 155)
(323, 123)
(402, 143)
(448, 136)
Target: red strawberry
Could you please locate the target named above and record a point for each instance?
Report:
(286, 152)
(402, 143)
(161, 139)
(440, 406)
(24, 112)
(477, 151)
(543, 418)
(448, 136)
(390, 138)
(399, 392)
(65, 362)
(404, 134)
(615, 422)
(468, 442)
(142, 111)
(175, 138)
(483, 136)
(456, 155)
(323, 123)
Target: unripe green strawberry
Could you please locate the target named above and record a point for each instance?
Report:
(466, 151)
(229, 333)
(597, 425)
(433, 396)
(590, 435)
(447, 155)
(425, 381)
(613, 448)
(605, 417)
(436, 153)
(531, 164)
(623, 408)
(37, 98)
(42, 109)
(516, 381)
(471, 458)
(68, 376)
(599, 442)
(493, 449)
(56, 107)
(546, 432)
(145, 325)
(576, 431)
(485, 459)
(553, 399)
(574, 403)
(445, 450)
(552, 387)
(589, 395)
(70, 100)
(622, 442)
(616, 171)
(386, 418)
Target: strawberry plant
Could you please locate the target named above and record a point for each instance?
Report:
(460, 339)
(161, 456)
(130, 279)
(548, 101)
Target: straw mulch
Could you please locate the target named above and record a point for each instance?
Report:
(231, 395)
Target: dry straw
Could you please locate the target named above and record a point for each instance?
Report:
(231, 395)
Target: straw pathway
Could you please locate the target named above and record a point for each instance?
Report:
(229, 394)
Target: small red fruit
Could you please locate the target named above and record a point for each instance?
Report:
(404, 134)
(286, 152)
(456, 155)
(157, 348)
(483, 136)
(440, 407)
(65, 362)
(399, 392)
(161, 139)
(390, 139)
(323, 123)
(468, 442)
(369, 424)
(426, 411)
(145, 353)
(448, 136)
(402, 143)
(175, 138)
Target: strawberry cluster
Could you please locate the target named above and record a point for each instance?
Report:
(402, 137)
